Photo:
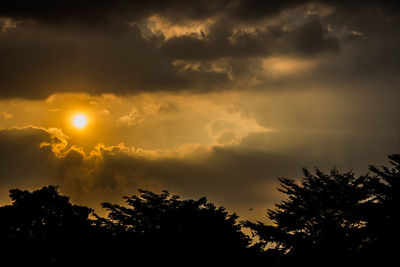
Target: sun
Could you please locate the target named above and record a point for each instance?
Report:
(79, 121)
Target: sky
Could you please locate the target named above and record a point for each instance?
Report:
(202, 98)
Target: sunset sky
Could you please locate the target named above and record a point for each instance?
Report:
(201, 98)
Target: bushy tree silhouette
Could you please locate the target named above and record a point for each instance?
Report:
(161, 224)
(43, 215)
(384, 212)
(43, 225)
(335, 218)
(322, 220)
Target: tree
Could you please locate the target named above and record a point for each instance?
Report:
(161, 224)
(44, 227)
(42, 215)
(384, 214)
(322, 220)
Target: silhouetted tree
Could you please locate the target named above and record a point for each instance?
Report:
(384, 211)
(322, 220)
(162, 225)
(43, 227)
(335, 218)
(42, 215)
(327, 219)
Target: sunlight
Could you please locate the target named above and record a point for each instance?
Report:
(79, 121)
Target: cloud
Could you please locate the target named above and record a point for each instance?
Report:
(311, 38)
(38, 61)
(97, 13)
(6, 24)
(150, 111)
(27, 155)
(307, 39)
(35, 156)
(126, 47)
(239, 176)
(6, 115)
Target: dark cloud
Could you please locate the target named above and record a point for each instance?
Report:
(220, 42)
(105, 11)
(101, 46)
(239, 176)
(100, 12)
(257, 9)
(37, 62)
(36, 156)
(309, 39)
(22, 158)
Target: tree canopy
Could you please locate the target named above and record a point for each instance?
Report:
(333, 218)
(43, 226)
(168, 225)
(43, 214)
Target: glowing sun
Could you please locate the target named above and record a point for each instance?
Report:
(79, 120)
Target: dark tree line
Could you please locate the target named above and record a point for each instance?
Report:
(327, 219)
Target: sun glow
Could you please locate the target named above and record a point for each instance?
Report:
(79, 121)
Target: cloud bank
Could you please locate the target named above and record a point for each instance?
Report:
(126, 47)
(238, 176)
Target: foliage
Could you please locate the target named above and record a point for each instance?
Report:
(327, 219)
(335, 217)
(168, 225)
(43, 228)
(384, 216)
(324, 212)
(42, 215)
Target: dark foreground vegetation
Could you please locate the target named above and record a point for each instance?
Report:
(327, 219)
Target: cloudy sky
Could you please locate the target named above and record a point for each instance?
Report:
(201, 98)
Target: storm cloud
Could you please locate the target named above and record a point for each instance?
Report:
(124, 47)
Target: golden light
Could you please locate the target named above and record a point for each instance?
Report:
(79, 121)
(279, 65)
